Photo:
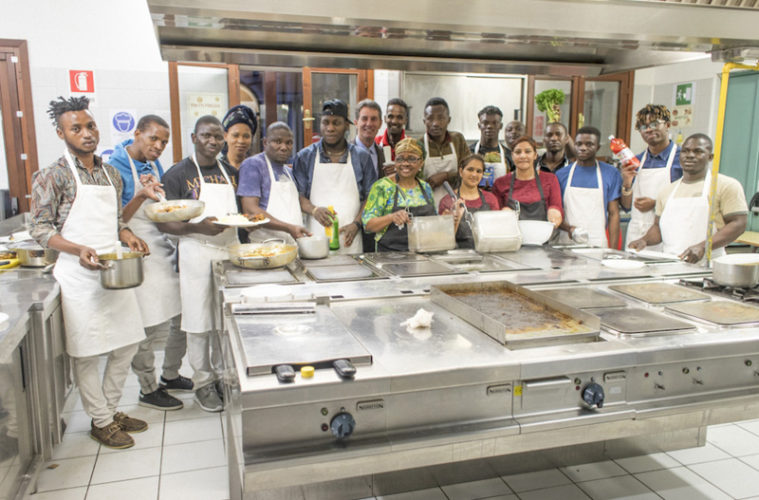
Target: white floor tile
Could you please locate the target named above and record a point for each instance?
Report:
(151, 438)
(191, 410)
(127, 464)
(68, 473)
(618, 488)
(645, 463)
(680, 483)
(595, 470)
(69, 494)
(209, 484)
(193, 456)
(149, 415)
(428, 494)
(731, 476)
(536, 480)
(77, 421)
(144, 488)
(750, 425)
(752, 460)
(708, 453)
(566, 492)
(75, 444)
(503, 497)
(196, 429)
(472, 490)
(734, 440)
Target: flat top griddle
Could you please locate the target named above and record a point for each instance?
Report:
(582, 297)
(636, 320)
(244, 278)
(660, 293)
(347, 272)
(720, 312)
(394, 257)
(332, 260)
(481, 263)
(421, 268)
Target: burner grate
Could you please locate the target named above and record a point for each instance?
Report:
(737, 293)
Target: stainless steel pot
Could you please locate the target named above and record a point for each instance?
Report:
(124, 272)
(313, 247)
(33, 255)
(266, 255)
(737, 270)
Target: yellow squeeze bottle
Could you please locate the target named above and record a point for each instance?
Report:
(328, 229)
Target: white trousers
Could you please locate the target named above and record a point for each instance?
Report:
(100, 397)
(204, 353)
(143, 363)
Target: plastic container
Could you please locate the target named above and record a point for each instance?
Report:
(535, 232)
(496, 231)
(621, 151)
(431, 233)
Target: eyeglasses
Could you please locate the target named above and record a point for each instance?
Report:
(651, 126)
(407, 159)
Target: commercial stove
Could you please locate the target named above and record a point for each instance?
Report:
(461, 400)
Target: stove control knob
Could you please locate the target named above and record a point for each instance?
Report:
(342, 425)
(593, 395)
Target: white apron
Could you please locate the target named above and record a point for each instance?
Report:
(158, 296)
(196, 251)
(335, 184)
(648, 182)
(97, 320)
(585, 208)
(284, 202)
(684, 221)
(432, 165)
(492, 170)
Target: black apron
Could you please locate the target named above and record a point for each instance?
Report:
(395, 239)
(529, 211)
(464, 236)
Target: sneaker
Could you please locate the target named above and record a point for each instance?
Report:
(208, 398)
(160, 400)
(111, 436)
(219, 386)
(129, 424)
(177, 384)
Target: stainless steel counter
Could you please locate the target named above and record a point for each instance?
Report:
(452, 395)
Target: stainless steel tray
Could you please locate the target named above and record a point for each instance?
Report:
(476, 262)
(516, 316)
(241, 278)
(660, 293)
(393, 257)
(348, 272)
(332, 260)
(720, 312)
(636, 320)
(583, 297)
(422, 268)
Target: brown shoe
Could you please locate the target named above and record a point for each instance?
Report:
(129, 424)
(111, 436)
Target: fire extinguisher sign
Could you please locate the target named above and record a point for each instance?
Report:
(81, 80)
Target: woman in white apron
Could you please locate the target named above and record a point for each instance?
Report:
(585, 208)
(647, 183)
(97, 321)
(492, 170)
(335, 184)
(434, 165)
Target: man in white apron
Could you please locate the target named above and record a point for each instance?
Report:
(202, 177)
(682, 208)
(76, 210)
(659, 166)
(334, 173)
(490, 123)
(158, 296)
(267, 187)
(444, 148)
(590, 191)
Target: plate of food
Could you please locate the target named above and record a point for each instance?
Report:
(174, 210)
(240, 220)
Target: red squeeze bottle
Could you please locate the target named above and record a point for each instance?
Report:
(620, 150)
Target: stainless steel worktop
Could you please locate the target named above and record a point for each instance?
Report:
(22, 290)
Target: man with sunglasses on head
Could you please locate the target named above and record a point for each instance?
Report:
(659, 166)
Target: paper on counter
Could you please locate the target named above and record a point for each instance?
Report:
(422, 319)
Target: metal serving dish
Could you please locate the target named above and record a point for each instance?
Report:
(174, 210)
(31, 254)
(266, 255)
(121, 271)
(516, 316)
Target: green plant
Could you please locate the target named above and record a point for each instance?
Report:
(549, 101)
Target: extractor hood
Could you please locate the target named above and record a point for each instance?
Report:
(545, 37)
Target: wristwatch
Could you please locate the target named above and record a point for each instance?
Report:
(626, 191)
(358, 224)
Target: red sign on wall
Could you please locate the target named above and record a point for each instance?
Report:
(81, 80)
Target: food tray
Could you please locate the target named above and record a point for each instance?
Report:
(516, 316)
(582, 298)
(180, 210)
(639, 321)
(659, 293)
(720, 312)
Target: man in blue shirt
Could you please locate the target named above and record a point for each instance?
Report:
(660, 165)
(158, 296)
(334, 173)
(590, 190)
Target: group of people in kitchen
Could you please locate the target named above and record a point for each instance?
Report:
(83, 206)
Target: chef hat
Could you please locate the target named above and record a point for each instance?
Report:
(409, 145)
(335, 107)
(240, 114)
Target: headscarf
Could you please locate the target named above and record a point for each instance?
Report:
(410, 145)
(240, 114)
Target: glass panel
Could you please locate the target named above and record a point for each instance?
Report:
(326, 86)
(3, 161)
(202, 91)
(539, 118)
(15, 445)
(601, 109)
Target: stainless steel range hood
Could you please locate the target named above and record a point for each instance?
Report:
(547, 37)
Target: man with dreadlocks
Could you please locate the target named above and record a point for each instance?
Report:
(659, 166)
(76, 210)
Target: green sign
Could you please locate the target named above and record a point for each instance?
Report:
(684, 94)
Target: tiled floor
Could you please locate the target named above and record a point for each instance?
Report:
(181, 456)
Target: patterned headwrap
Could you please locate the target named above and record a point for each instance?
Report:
(240, 114)
(410, 145)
